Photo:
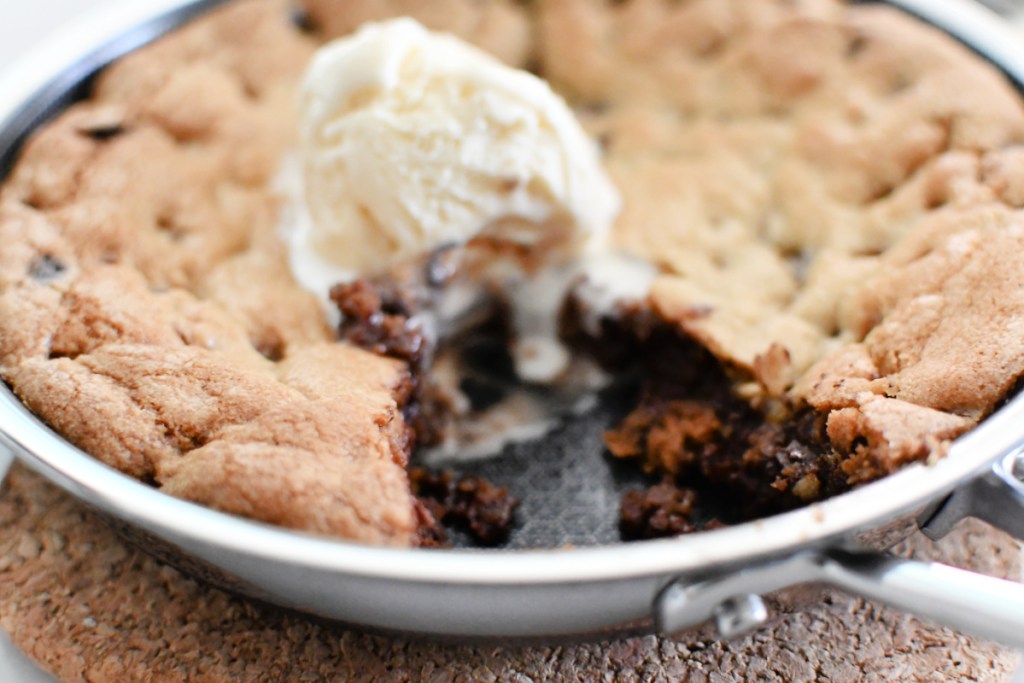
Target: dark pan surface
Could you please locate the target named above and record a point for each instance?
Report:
(567, 484)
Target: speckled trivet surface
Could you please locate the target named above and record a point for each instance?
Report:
(88, 608)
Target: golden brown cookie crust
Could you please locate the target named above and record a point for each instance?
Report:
(809, 177)
(832, 195)
(146, 295)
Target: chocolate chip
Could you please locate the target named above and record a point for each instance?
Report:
(102, 133)
(46, 268)
(481, 393)
(479, 507)
(660, 511)
(379, 318)
(301, 19)
(856, 45)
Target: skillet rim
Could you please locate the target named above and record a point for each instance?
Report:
(35, 84)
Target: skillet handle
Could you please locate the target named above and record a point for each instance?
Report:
(964, 600)
(996, 497)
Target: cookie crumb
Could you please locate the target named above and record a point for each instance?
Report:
(484, 510)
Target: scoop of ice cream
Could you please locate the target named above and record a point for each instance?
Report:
(411, 140)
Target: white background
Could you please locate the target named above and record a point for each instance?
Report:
(22, 24)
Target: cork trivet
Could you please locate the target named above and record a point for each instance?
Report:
(88, 608)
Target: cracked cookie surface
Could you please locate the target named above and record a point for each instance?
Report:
(843, 233)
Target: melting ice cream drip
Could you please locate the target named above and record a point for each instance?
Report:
(412, 140)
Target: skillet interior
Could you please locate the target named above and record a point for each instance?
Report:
(569, 487)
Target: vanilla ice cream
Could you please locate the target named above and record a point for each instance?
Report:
(411, 140)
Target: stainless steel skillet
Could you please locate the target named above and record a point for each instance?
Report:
(666, 585)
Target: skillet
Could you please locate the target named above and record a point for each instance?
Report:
(565, 572)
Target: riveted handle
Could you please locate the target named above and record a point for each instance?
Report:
(964, 600)
(988, 607)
